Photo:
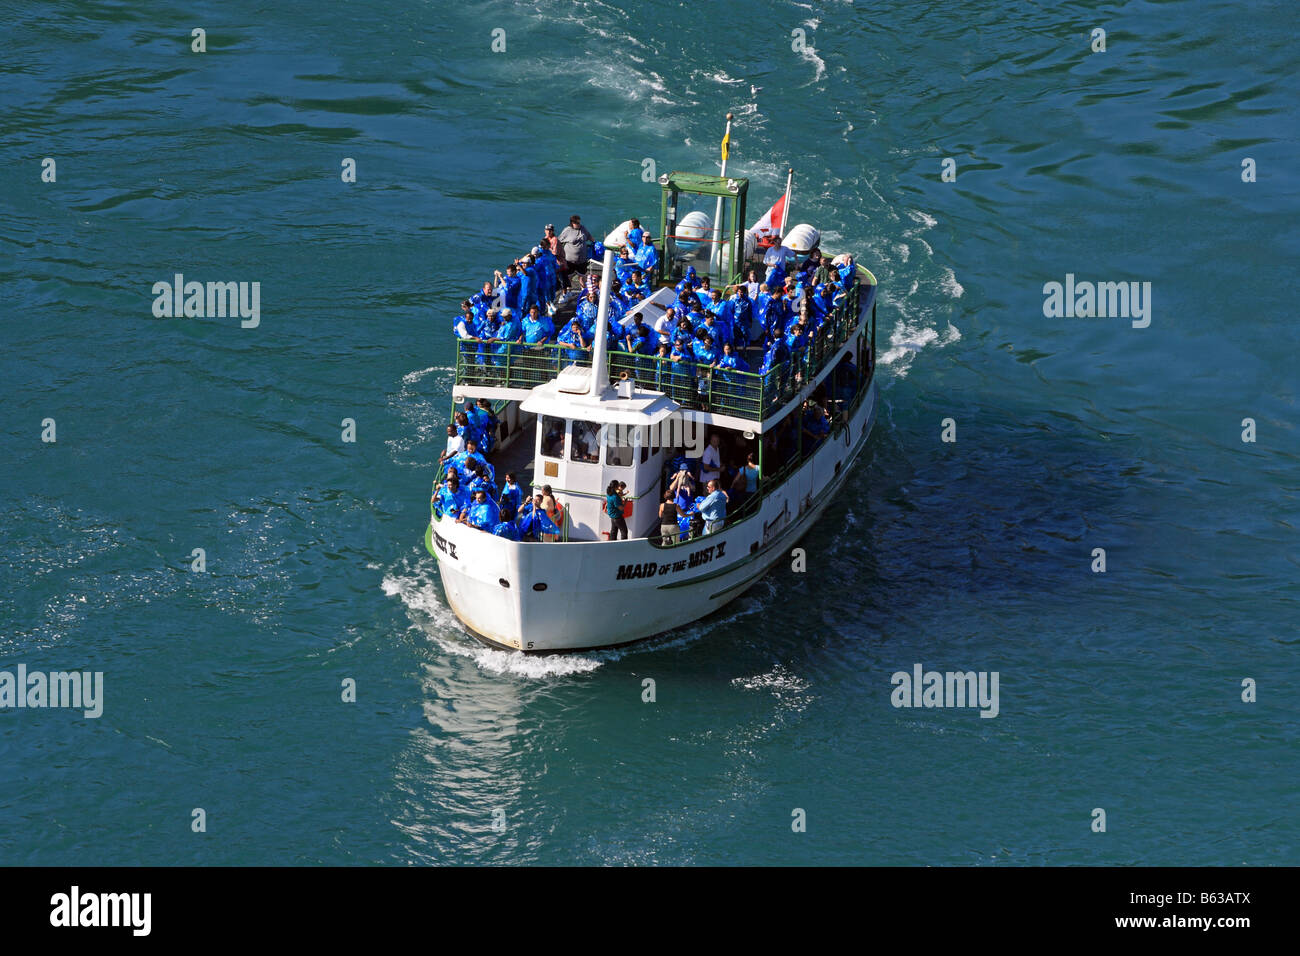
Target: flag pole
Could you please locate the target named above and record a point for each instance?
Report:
(785, 210)
(716, 254)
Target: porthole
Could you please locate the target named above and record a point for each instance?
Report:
(539, 586)
(503, 582)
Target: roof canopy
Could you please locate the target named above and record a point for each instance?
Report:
(643, 409)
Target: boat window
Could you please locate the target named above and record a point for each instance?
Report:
(622, 455)
(552, 437)
(586, 442)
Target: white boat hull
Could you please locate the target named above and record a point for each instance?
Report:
(548, 597)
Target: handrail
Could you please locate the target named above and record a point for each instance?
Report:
(749, 395)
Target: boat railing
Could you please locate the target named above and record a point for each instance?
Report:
(748, 395)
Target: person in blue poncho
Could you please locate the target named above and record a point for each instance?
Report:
(547, 272)
(683, 336)
(635, 234)
(479, 481)
(482, 513)
(742, 316)
(471, 453)
(528, 283)
(487, 334)
(705, 351)
(641, 283)
(647, 258)
(763, 311)
(588, 309)
(533, 522)
(730, 360)
(816, 425)
(510, 332)
(720, 307)
(537, 328)
(638, 339)
(679, 374)
(450, 499)
(507, 286)
(508, 530)
(709, 326)
(822, 302)
(690, 280)
(481, 301)
(574, 338)
(797, 341)
(848, 271)
(512, 497)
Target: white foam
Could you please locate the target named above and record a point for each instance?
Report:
(778, 681)
(951, 285)
(924, 218)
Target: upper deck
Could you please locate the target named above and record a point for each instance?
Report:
(511, 371)
(701, 227)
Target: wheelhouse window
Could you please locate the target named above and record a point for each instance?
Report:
(552, 437)
(619, 453)
(585, 446)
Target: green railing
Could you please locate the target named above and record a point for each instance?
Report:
(749, 395)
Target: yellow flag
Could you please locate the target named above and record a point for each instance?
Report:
(726, 143)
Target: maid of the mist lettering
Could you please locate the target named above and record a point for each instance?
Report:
(923, 688)
(1119, 300)
(210, 300)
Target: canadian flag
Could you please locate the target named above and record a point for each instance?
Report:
(770, 224)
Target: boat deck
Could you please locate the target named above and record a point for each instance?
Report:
(517, 455)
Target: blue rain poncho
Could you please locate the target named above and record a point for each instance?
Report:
(508, 287)
(483, 515)
(742, 321)
(506, 529)
(535, 522)
(577, 340)
(447, 502)
(512, 497)
(646, 258)
(509, 332)
(459, 463)
(527, 287)
(703, 353)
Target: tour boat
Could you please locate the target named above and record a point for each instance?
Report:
(578, 590)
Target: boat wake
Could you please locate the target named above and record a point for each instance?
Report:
(414, 584)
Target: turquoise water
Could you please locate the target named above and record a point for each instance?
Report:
(1119, 691)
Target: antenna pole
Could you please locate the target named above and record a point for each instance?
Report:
(715, 255)
(598, 340)
(785, 210)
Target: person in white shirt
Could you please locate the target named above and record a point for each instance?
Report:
(455, 445)
(664, 326)
(711, 462)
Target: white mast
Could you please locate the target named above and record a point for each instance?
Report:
(716, 254)
(785, 210)
(598, 378)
